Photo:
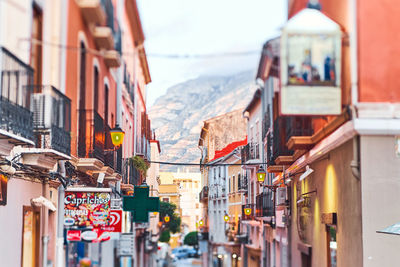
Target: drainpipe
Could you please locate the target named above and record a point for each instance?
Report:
(45, 225)
(119, 71)
(355, 163)
(60, 219)
(63, 51)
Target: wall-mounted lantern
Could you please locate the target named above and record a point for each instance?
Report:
(261, 173)
(166, 218)
(247, 211)
(311, 65)
(117, 136)
(226, 217)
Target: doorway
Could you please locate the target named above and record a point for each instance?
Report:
(30, 237)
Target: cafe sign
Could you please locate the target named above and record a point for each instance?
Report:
(87, 206)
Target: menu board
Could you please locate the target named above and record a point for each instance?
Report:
(87, 207)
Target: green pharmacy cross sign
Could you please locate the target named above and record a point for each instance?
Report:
(141, 204)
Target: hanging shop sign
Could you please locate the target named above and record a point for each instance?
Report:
(115, 222)
(3, 189)
(126, 245)
(74, 235)
(95, 235)
(87, 207)
(311, 65)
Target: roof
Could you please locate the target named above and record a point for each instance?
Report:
(228, 149)
(254, 100)
(269, 54)
(158, 144)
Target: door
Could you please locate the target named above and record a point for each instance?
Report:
(30, 237)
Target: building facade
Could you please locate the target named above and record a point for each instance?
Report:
(320, 157)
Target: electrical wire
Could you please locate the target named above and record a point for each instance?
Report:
(206, 164)
(156, 55)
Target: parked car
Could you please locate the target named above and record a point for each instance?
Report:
(180, 253)
(193, 253)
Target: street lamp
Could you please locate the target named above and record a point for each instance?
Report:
(201, 223)
(117, 135)
(261, 174)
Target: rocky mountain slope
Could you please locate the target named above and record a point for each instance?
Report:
(177, 116)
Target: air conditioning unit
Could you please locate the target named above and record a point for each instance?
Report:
(281, 196)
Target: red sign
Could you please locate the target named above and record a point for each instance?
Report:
(86, 207)
(114, 222)
(74, 235)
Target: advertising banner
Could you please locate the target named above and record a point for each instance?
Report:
(115, 222)
(87, 207)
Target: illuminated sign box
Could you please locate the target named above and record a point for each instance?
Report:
(310, 65)
(86, 206)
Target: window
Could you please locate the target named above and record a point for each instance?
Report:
(165, 199)
(36, 48)
(311, 60)
(96, 89)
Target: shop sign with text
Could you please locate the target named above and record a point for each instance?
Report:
(87, 207)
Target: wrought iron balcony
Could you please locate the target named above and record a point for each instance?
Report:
(130, 175)
(95, 140)
(283, 129)
(266, 122)
(265, 204)
(15, 100)
(250, 151)
(203, 195)
(52, 118)
(242, 183)
(91, 139)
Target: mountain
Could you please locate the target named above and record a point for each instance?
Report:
(177, 116)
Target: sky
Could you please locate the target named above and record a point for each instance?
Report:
(178, 31)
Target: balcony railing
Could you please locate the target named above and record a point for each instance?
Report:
(113, 24)
(130, 175)
(266, 122)
(95, 140)
(283, 129)
(91, 142)
(203, 195)
(52, 119)
(251, 215)
(242, 183)
(15, 95)
(250, 151)
(265, 204)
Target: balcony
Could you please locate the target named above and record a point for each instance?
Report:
(93, 11)
(250, 151)
(203, 195)
(251, 215)
(16, 118)
(112, 59)
(266, 122)
(103, 37)
(265, 204)
(278, 154)
(242, 184)
(52, 119)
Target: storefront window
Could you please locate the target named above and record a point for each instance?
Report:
(311, 60)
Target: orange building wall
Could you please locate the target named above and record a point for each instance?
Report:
(379, 39)
(76, 24)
